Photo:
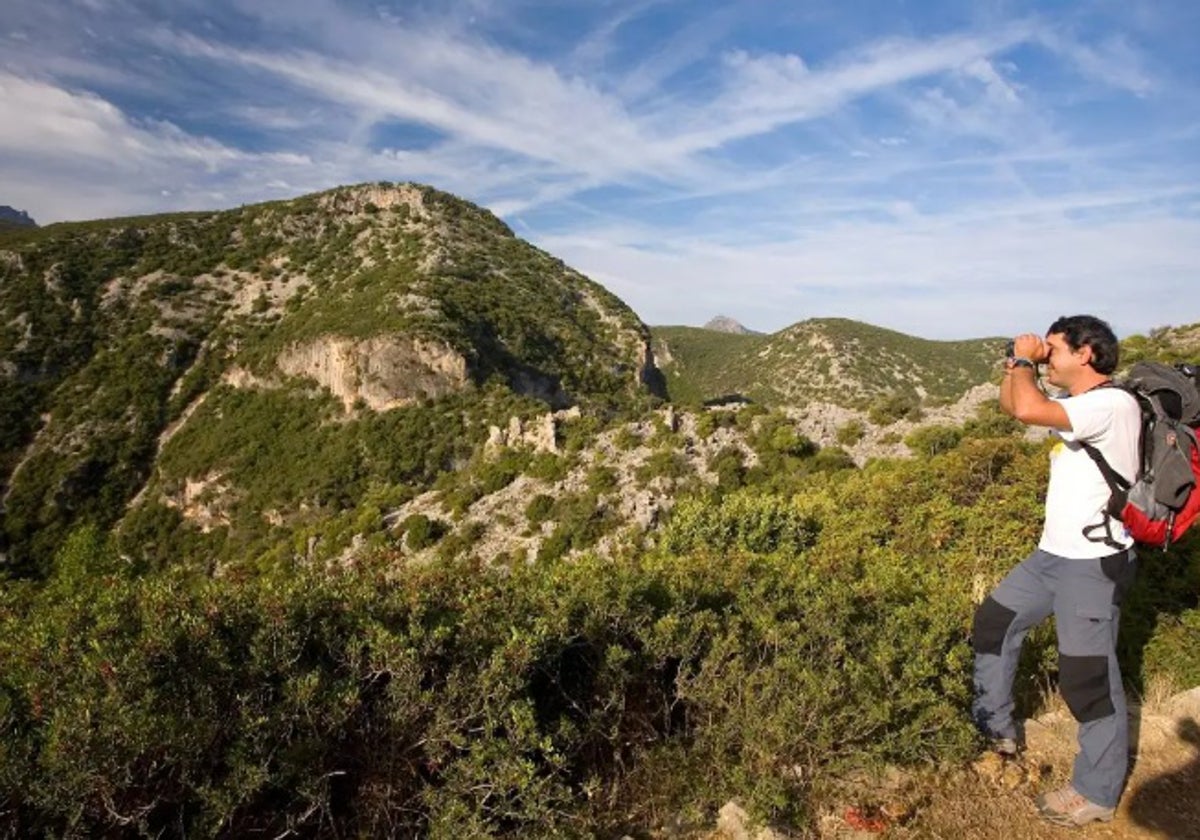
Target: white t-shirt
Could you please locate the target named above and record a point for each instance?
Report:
(1108, 419)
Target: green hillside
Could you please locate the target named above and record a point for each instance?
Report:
(823, 359)
(281, 344)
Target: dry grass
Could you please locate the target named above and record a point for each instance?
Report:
(994, 799)
(1161, 801)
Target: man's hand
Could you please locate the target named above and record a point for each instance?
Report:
(1031, 347)
(1020, 396)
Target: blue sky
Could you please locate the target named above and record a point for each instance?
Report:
(946, 169)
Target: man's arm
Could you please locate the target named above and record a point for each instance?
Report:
(1021, 398)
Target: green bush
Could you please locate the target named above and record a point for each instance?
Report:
(420, 531)
(708, 421)
(627, 439)
(850, 432)
(663, 463)
(548, 467)
(730, 466)
(832, 459)
(742, 521)
(990, 422)
(820, 633)
(582, 520)
(887, 410)
(602, 479)
(460, 542)
(932, 440)
(454, 702)
(539, 509)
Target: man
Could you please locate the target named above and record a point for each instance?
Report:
(1079, 572)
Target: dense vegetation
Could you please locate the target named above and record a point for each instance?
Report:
(828, 359)
(770, 644)
(277, 622)
(111, 330)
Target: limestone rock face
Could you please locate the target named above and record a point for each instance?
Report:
(383, 372)
(540, 434)
(202, 501)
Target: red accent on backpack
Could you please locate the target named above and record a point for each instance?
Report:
(1154, 531)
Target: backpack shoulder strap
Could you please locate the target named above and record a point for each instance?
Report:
(1118, 489)
(1117, 483)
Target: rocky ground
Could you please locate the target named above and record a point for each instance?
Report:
(993, 798)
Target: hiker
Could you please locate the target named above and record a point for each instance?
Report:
(1076, 577)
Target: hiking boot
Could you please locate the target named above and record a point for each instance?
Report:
(1067, 806)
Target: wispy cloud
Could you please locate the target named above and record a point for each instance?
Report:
(43, 120)
(1112, 61)
(696, 160)
(967, 280)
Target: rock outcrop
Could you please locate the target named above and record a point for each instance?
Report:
(381, 373)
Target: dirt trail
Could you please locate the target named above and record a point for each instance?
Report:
(994, 799)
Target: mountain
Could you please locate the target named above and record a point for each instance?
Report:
(721, 323)
(268, 365)
(832, 360)
(10, 217)
(388, 365)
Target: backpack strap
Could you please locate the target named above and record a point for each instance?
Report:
(1118, 489)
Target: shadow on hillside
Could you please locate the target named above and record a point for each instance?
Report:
(1169, 803)
(728, 399)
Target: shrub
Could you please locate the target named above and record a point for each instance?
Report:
(582, 520)
(823, 634)
(663, 463)
(850, 432)
(420, 531)
(990, 422)
(627, 438)
(887, 410)
(743, 520)
(708, 421)
(548, 467)
(832, 459)
(459, 543)
(496, 474)
(602, 479)
(539, 509)
(730, 466)
(931, 440)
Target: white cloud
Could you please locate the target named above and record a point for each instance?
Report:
(72, 154)
(476, 93)
(1113, 61)
(767, 92)
(954, 282)
(484, 96)
(46, 121)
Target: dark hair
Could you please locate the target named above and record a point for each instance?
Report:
(1088, 331)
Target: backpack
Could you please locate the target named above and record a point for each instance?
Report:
(1163, 500)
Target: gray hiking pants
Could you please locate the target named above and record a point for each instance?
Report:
(1084, 597)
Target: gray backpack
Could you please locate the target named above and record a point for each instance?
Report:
(1162, 502)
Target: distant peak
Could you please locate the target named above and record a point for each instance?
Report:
(724, 324)
(10, 216)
